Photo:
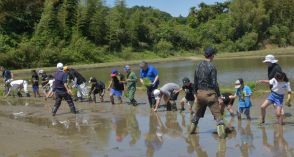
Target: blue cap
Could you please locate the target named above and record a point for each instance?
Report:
(209, 52)
(127, 68)
(114, 71)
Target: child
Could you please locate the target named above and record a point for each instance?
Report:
(35, 81)
(228, 101)
(97, 87)
(189, 95)
(116, 86)
(49, 86)
(44, 81)
(131, 83)
(280, 86)
(244, 93)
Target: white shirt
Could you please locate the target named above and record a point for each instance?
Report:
(280, 87)
(51, 83)
(17, 83)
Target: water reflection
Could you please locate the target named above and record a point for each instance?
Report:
(280, 147)
(173, 128)
(133, 126)
(193, 142)
(154, 137)
(246, 145)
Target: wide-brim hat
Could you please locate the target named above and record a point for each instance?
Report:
(270, 59)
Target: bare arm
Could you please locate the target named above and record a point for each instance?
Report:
(8, 93)
(262, 81)
(156, 79)
(110, 84)
(157, 104)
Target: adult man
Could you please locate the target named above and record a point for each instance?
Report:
(61, 90)
(18, 85)
(149, 73)
(273, 67)
(207, 92)
(131, 82)
(7, 78)
(169, 92)
(79, 82)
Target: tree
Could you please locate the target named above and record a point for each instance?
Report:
(116, 22)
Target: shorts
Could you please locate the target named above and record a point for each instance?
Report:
(35, 88)
(276, 99)
(114, 92)
(97, 91)
(174, 96)
(207, 98)
(244, 110)
(190, 103)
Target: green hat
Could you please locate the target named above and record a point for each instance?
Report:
(186, 80)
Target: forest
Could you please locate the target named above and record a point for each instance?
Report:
(37, 33)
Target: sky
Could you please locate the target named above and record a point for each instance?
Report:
(173, 7)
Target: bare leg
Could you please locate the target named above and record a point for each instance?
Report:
(263, 107)
(182, 103)
(280, 115)
(230, 109)
(120, 100)
(112, 99)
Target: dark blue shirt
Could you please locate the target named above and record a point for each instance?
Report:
(150, 73)
(6, 75)
(60, 80)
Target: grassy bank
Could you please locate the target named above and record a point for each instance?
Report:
(151, 58)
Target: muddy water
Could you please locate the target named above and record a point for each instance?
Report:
(250, 69)
(28, 130)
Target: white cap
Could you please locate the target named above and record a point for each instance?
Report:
(156, 93)
(270, 59)
(60, 66)
(41, 71)
(237, 84)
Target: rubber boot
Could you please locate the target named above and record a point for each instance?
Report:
(28, 95)
(193, 128)
(134, 102)
(174, 106)
(168, 107)
(54, 110)
(221, 130)
(73, 110)
(19, 94)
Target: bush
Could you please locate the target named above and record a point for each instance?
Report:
(163, 48)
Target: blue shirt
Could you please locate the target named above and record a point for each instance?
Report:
(246, 102)
(150, 73)
(6, 75)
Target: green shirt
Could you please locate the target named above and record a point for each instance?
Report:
(132, 80)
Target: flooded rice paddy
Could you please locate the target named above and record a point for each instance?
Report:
(27, 128)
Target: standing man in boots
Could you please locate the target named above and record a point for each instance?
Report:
(149, 77)
(207, 92)
(61, 90)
